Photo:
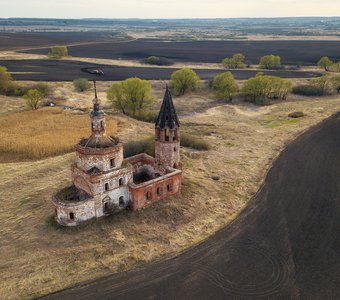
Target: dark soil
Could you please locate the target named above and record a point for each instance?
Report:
(284, 245)
(16, 41)
(291, 52)
(61, 70)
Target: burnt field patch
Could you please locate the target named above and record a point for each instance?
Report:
(64, 70)
(291, 52)
(17, 41)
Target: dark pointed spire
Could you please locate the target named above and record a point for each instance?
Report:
(167, 117)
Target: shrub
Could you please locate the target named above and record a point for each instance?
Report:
(58, 52)
(184, 80)
(132, 96)
(142, 146)
(260, 88)
(270, 62)
(188, 140)
(5, 80)
(81, 84)
(235, 62)
(19, 90)
(33, 99)
(308, 90)
(158, 61)
(224, 86)
(296, 114)
(149, 116)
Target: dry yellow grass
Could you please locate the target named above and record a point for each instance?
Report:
(37, 258)
(42, 133)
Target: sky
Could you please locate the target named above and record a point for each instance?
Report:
(167, 8)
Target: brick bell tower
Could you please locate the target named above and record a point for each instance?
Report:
(167, 135)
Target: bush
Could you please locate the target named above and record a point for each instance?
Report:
(5, 80)
(188, 140)
(58, 52)
(142, 146)
(224, 86)
(81, 84)
(296, 114)
(270, 62)
(184, 80)
(158, 61)
(33, 99)
(308, 90)
(235, 62)
(147, 116)
(19, 90)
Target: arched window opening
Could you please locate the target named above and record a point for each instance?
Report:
(101, 124)
(121, 182)
(159, 191)
(71, 216)
(175, 166)
(106, 207)
(106, 186)
(175, 149)
(169, 187)
(148, 196)
(167, 134)
(121, 201)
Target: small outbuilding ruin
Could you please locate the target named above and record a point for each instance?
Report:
(105, 183)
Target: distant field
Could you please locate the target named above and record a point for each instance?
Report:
(62, 70)
(291, 52)
(15, 41)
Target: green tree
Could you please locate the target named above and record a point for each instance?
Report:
(270, 62)
(132, 96)
(58, 52)
(5, 80)
(81, 84)
(336, 83)
(235, 62)
(184, 80)
(322, 83)
(33, 98)
(325, 62)
(224, 86)
(266, 87)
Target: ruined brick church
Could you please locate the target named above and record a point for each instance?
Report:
(105, 183)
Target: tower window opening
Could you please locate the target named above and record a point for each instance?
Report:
(71, 216)
(121, 201)
(175, 149)
(106, 186)
(112, 162)
(121, 182)
(167, 118)
(159, 191)
(148, 196)
(101, 124)
(166, 134)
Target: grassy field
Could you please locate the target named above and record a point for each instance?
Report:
(42, 133)
(38, 257)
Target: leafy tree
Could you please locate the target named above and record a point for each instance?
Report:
(235, 62)
(336, 83)
(334, 67)
(325, 62)
(224, 86)
(270, 61)
(322, 83)
(5, 80)
(81, 84)
(132, 96)
(266, 87)
(184, 80)
(33, 98)
(58, 52)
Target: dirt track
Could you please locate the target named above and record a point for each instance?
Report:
(284, 245)
(64, 70)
